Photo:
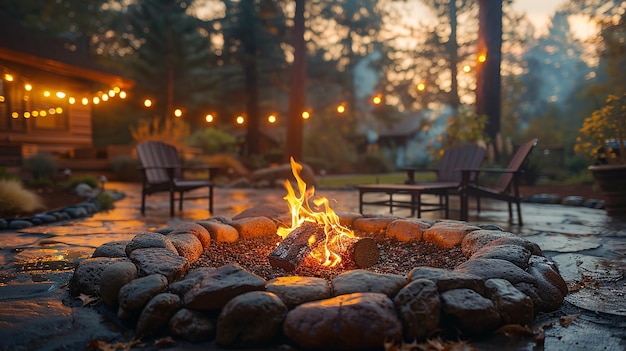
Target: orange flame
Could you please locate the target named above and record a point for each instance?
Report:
(301, 211)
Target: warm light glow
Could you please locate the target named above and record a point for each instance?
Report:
(105, 97)
(123, 95)
(1, 98)
(72, 100)
(46, 93)
(341, 109)
(117, 89)
(240, 119)
(306, 115)
(421, 86)
(111, 93)
(301, 212)
(147, 102)
(377, 100)
(271, 118)
(482, 57)
(467, 68)
(178, 112)
(60, 94)
(26, 114)
(43, 113)
(9, 78)
(35, 113)
(15, 114)
(28, 87)
(209, 118)
(59, 110)
(85, 101)
(96, 100)
(51, 111)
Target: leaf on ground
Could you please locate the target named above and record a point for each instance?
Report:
(163, 342)
(99, 345)
(430, 345)
(565, 321)
(86, 299)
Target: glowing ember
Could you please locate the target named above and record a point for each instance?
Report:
(301, 212)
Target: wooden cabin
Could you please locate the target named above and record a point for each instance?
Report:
(47, 92)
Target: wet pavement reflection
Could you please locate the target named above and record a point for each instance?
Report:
(36, 263)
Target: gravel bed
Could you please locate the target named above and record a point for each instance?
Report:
(395, 258)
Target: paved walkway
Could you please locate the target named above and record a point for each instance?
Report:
(36, 312)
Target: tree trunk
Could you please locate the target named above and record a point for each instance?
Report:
(297, 98)
(488, 98)
(249, 20)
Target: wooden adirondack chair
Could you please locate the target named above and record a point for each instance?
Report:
(447, 182)
(507, 187)
(163, 171)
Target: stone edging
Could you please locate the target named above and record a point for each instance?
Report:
(506, 280)
(80, 210)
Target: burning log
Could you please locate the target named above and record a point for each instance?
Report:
(298, 244)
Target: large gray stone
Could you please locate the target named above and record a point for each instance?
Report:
(218, 287)
(406, 231)
(196, 229)
(87, 275)
(157, 313)
(551, 287)
(448, 280)
(518, 255)
(488, 268)
(254, 227)
(469, 311)
(296, 290)
(149, 240)
(160, 260)
(479, 238)
(191, 325)
(419, 308)
(136, 294)
(514, 306)
(113, 278)
(360, 280)
(448, 234)
(347, 322)
(111, 249)
(220, 232)
(188, 245)
(250, 320)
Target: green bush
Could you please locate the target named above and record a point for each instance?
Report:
(89, 180)
(104, 201)
(43, 167)
(373, 163)
(212, 141)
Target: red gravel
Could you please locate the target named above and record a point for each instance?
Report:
(395, 257)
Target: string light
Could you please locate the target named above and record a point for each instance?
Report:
(209, 118)
(306, 115)
(178, 112)
(240, 119)
(271, 119)
(341, 109)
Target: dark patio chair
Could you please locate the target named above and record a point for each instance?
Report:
(163, 171)
(447, 183)
(507, 187)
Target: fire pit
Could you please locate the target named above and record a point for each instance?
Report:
(326, 281)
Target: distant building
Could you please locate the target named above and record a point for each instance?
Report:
(48, 88)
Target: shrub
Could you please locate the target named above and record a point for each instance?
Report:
(211, 141)
(126, 168)
(15, 199)
(4, 174)
(104, 201)
(89, 180)
(43, 167)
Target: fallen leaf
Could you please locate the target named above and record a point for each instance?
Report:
(99, 345)
(86, 299)
(565, 321)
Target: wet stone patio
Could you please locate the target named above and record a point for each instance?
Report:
(38, 311)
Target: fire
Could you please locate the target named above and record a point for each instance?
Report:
(301, 212)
